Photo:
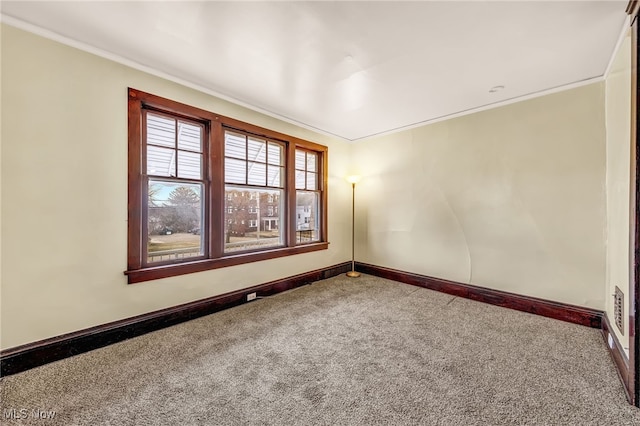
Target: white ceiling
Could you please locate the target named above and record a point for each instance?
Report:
(351, 69)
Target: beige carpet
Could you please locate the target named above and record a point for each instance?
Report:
(338, 352)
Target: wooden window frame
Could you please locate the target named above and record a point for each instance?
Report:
(213, 221)
(175, 179)
(318, 185)
(257, 187)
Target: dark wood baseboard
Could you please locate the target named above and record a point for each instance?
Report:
(533, 305)
(617, 354)
(24, 357)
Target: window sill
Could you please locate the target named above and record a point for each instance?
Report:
(165, 271)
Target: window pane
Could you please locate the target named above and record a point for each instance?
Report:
(161, 130)
(300, 180)
(189, 165)
(257, 150)
(275, 176)
(312, 161)
(312, 180)
(189, 137)
(235, 171)
(174, 221)
(252, 218)
(307, 217)
(275, 154)
(257, 174)
(300, 160)
(235, 145)
(160, 161)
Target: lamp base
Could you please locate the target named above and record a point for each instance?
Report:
(353, 274)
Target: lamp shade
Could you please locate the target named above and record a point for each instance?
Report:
(353, 178)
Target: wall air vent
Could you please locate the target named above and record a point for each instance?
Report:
(618, 309)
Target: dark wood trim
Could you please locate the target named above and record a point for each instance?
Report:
(216, 176)
(172, 270)
(324, 201)
(291, 195)
(134, 229)
(617, 354)
(557, 310)
(632, 7)
(177, 108)
(310, 146)
(25, 357)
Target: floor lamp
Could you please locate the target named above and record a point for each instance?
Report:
(353, 180)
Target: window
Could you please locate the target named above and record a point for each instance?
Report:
(308, 195)
(175, 187)
(207, 191)
(254, 173)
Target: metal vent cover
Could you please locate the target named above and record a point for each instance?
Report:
(618, 309)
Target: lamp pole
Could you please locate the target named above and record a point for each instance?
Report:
(352, 273)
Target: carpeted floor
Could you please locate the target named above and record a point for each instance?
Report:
(342, 351)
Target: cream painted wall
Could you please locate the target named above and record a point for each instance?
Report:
(618, 122)
(64, 194)
(511, 198)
